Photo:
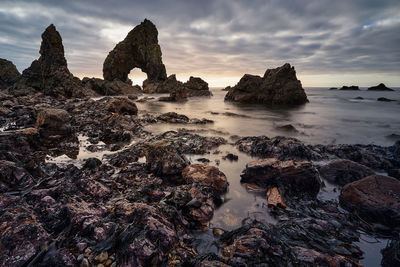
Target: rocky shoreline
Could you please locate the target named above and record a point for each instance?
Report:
(122, 211)
(141, 201)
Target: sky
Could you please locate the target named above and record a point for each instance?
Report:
(330, 43)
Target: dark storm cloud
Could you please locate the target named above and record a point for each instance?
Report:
(221, 37)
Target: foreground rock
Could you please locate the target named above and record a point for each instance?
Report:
(380, 87)
(205, 175)
(343, 171)
(122, 105)
(375, 198)
(139, 49)
(104, 87)
(391, 254)
(293, 179)
(49, 74)
(384, 99)
(54, 124)
(8, 74)
(277, 87)
(352, 87)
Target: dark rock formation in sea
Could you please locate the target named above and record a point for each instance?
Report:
(333, 88)
(49, 74)
(205, 175)
(278, 86)
(375, 198)
(179, 94)
(196, 86)
(160, 87)
(344, 171)
(8, 74)
(349, 88)
(384, 99)
(104, 87)
(380, 87)
(139, 49)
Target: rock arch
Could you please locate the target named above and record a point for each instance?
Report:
(140, 49)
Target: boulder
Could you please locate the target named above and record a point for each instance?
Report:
(195, 86)
(161, 87)
(379, 87)
(277, 87)
(8, 74)
(293, 179)
(122, 105)
(391, 254)
(177, 95)
(173, 117)
(353, 87)
(206, 175)
(53, 123)
(343, 171)
(375, 198)
(104, 87)
(162, 161)
(139, 49)
(49, 74)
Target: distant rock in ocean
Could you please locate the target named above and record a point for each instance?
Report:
(139, 49)
(49, 74)
(333, 88)
(349, 88)
(380, 87)
(8, 74)
(384, 99)
(162, 87)
(196, 86)
(278, 86)
(104, 87)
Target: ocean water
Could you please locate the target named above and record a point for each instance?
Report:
(331, 117)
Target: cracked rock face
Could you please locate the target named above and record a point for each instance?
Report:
(278, 86)
(49, 73)
(140, 49)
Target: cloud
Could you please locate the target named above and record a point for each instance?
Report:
(218, 39)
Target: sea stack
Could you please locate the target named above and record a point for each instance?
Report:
(49, 74)
(380, 87)
(139, 49)
(278, 86)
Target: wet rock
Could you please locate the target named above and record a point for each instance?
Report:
(92, 164)
(277, 87)
(166, 86)
(14, 176)
(173, 117)
(163, 161)
(376, 198)
(282, 148)
(178, 94)
(275, 199)
(21, 236)
(394, 173)
(195, 86)
(231, 157)
(139, 49)
(49, 74)
(287, 128)
(333, 88)
(391, 254)
(116, 87)
(343, 171)
(353, 87)
(395, 137)
(205, 175)
(384, 99)
(122, 106)
(8, 74)
(54, 124)
(379, 87)
(294, 179)
(359, 98)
